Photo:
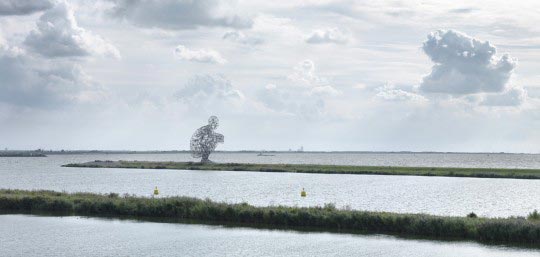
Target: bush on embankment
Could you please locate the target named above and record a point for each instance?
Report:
(511, 230)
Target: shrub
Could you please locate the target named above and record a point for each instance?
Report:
(534, 215)
(329, 207)
(472, 215)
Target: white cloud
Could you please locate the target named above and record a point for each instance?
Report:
(304, 75)
(390, 93)
(512, 97)
(464, 65)
(200, 55)
(180, 14)
(58, 35)
(468, 68)
(303, 93)
(291, 101)
(209, 90)
(41, 83)
(326, 90)
(240, 37)
(277, 29)
(329, 35)
(23, 7)
(8, 50)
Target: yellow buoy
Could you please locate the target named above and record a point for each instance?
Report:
(303, 193)
(156, 191)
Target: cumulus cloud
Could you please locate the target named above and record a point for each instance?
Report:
(58, 35)
(464, 65)
(240, 37)
(390, 93)
(291, 101)
(179, 14)
(304, 75)
(303, 93)
(512, 97)
(204, 90)
(469, 68)
(329, 35)
(41, 83)
(23, 7)
(200, 55)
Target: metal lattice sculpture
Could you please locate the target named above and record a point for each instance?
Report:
(204, 140)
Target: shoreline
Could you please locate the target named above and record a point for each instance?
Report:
(327, 218)
(320, 169)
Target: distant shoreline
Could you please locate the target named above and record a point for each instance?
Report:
(56, 152)
(22, 154)
(320, 169)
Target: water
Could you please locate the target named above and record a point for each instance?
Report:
(24, 235)
(480, 160)
(526, 161)
(405, 194)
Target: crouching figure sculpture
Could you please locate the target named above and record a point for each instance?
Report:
(204, 141)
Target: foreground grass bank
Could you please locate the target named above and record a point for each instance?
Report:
(326, 169)
(507, 230)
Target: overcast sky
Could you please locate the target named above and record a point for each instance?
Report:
(327, 75)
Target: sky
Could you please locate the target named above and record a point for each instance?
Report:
(328, 75)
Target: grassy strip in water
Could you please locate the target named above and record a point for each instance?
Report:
(493, 230)
(326, 169)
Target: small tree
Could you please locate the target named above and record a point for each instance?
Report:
(472, 215)
(534, 215)
(204, 141)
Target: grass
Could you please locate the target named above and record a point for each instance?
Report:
(328, 217)
(325, 169)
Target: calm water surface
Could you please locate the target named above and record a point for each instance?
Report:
(24, 235)
(480, 160)
(434, 195)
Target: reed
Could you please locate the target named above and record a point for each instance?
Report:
(328, 217)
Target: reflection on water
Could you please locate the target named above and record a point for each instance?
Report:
(25, 235)
(435, 195)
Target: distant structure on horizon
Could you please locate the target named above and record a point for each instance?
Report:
(204, 141)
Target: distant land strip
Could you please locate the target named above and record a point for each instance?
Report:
(514, 230)
(322, 169)
(22, 154)
(71, 152)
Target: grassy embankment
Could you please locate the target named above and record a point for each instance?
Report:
(326, 169)
(499, 230)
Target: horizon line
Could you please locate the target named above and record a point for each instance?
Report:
(256, 151)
